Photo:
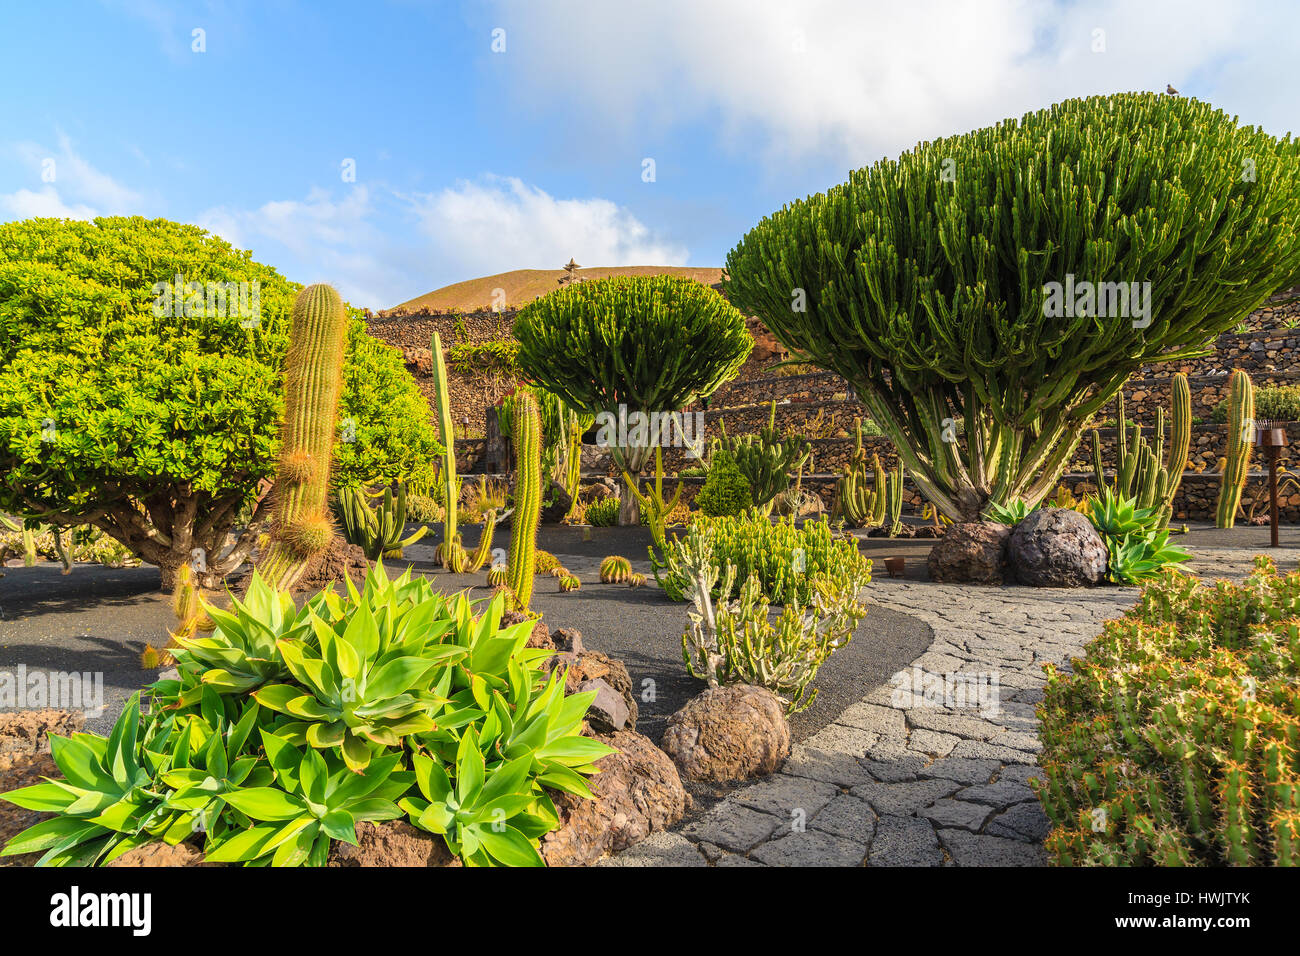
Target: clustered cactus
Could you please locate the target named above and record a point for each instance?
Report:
(615, 570)
(527, 429)
(1174, 741)
(766, 460)
(868, 504)
(301, 528)
(570, 582)
(1241, 440)
(784, 557)
(1144, 473)
(653, 506)
(378, 530)
(736, 641)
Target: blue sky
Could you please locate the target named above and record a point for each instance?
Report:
(471, 160)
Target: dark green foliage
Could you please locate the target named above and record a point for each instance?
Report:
(924, 277)
(766, 459)
(726, 491)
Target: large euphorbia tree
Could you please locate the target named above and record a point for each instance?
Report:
(987, 293)
(631, 346)
(155, 417)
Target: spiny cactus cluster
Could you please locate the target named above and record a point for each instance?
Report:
(1241, 440)
(378, 530)
(766, 459)
(736, 641)
(785, 558)
(615, 570)
(1176, 740)
(868, 504)
(1142, 472)
(570, 582)
(527, 428)
(301, 527)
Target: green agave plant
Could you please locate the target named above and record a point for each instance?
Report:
(318, 799)
(1012, 513)
(389, 701)
(106, 802)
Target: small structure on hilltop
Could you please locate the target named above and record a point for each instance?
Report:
(571, 273)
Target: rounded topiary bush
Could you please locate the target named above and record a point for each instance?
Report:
(1174, 742)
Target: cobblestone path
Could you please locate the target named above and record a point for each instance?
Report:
(920, 779)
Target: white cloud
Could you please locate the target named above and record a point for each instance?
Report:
(502, 223)
(470, 230)
(852, 81)
(73, 188)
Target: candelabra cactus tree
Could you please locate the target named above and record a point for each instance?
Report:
(1241, 440)
(631, 346)
(301, 527)
(1056, 255)
(527, 430)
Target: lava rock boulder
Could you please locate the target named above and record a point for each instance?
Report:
(727, 734)
(972, 552)
(1057, 548)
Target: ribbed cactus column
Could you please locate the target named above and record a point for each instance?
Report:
(527, 428)
(450, 486)
(313, 380)
(1180, 443)
(1241, 438)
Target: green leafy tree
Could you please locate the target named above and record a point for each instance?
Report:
(926, 281)
(643, 344)
(155, 417)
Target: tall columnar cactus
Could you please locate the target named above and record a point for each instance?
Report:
(527, 429)
(478, 557)
(894, 502)
(447, 475)
(652, 503)
(1241, 440)
(859, 505)
(313, 378)
(766, 459)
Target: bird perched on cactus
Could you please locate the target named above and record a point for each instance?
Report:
(570, 583)
(615, 569)
(301, 528)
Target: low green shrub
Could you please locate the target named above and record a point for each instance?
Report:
(1173, 742)
(603, 512)
(423, 509)
(285, 728)
(1273, 403)
(737, 642)
(785, 558)
(726, 491)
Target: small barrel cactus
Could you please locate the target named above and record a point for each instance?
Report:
(559, 571)
(570, 583)
(636, 580)
(615, 569)
(498, 575)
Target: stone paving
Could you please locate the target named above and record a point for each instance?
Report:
(923, 772)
